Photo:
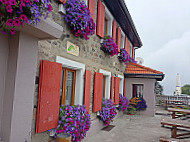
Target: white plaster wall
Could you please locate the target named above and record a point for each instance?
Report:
(4, 51)
(148, 93)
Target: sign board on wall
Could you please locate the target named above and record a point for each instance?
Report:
(72, 49)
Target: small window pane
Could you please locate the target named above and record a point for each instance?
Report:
(137, 90)
(61, 86)
(69, 88)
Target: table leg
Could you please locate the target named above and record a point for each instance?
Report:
(174, 132)
(173, 115)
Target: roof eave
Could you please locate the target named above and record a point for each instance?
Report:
(158, 77)
(125, 21)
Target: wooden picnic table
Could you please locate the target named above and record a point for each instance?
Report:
(176, 123)
(167, 103)
(174, 111)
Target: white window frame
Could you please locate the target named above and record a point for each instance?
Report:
(107, 81)
(86, 2)
(131, 49)
(80, 72)
(109, 17)
(122, 39)
(121, 84)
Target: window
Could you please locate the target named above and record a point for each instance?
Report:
(104, 87)
(108, 22)
(79, 68)
(138, 90)
(106, 84)
(68, 87)
(131, 50)
(121, 84)
(106, 26)
(122, 39)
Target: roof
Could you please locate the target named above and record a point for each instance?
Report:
(139, 71)
(121, 14)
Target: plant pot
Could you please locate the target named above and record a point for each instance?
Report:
(63, 137)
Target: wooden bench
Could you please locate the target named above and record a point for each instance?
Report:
(176, 123)
(165, 139)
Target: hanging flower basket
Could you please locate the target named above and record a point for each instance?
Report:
(124, 56)
(123, 103)
(73, 120)
(79, 18)
(109, 46)
(14, 13)
(108, 112)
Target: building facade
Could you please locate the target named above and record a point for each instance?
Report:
(48, 66)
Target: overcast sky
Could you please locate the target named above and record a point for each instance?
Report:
(164, 28)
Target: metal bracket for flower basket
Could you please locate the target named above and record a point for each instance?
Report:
(61, 9)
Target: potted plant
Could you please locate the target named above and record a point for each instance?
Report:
(109, 46)
(124, 56)
(108, 112)
(138, 103)
(79, 19)
(14, 13)
(73, 120)
(123, 103)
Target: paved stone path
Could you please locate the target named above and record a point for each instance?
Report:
(136, 128)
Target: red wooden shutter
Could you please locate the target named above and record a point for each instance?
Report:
(112, 84)
(133, 53)
(98, 79)
(49, 96)
(87, 90)
(124, 86)
(127, 45)
(119, 38)
(91, 6)
(116, 90)
(114, 30)
(100, 19)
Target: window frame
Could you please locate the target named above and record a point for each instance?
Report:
(85, 1)
(131, 50)
(80, 73)
(122, 39)
(121, 84)
(137, 94)
(109, 18)
(64, 77)
(107, 75)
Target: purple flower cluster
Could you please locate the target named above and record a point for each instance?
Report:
(141, 105)
(14, 13)
(108, 112)
(79, 18)
(123, 102)
(124, 56)
(74, 120)
(109, 46)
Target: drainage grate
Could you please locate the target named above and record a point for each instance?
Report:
(108, 128)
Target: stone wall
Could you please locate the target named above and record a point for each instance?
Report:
(90, 54)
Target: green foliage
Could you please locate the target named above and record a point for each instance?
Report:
(186, 89)
(158, 89)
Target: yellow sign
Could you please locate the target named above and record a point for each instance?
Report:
(72, 49)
